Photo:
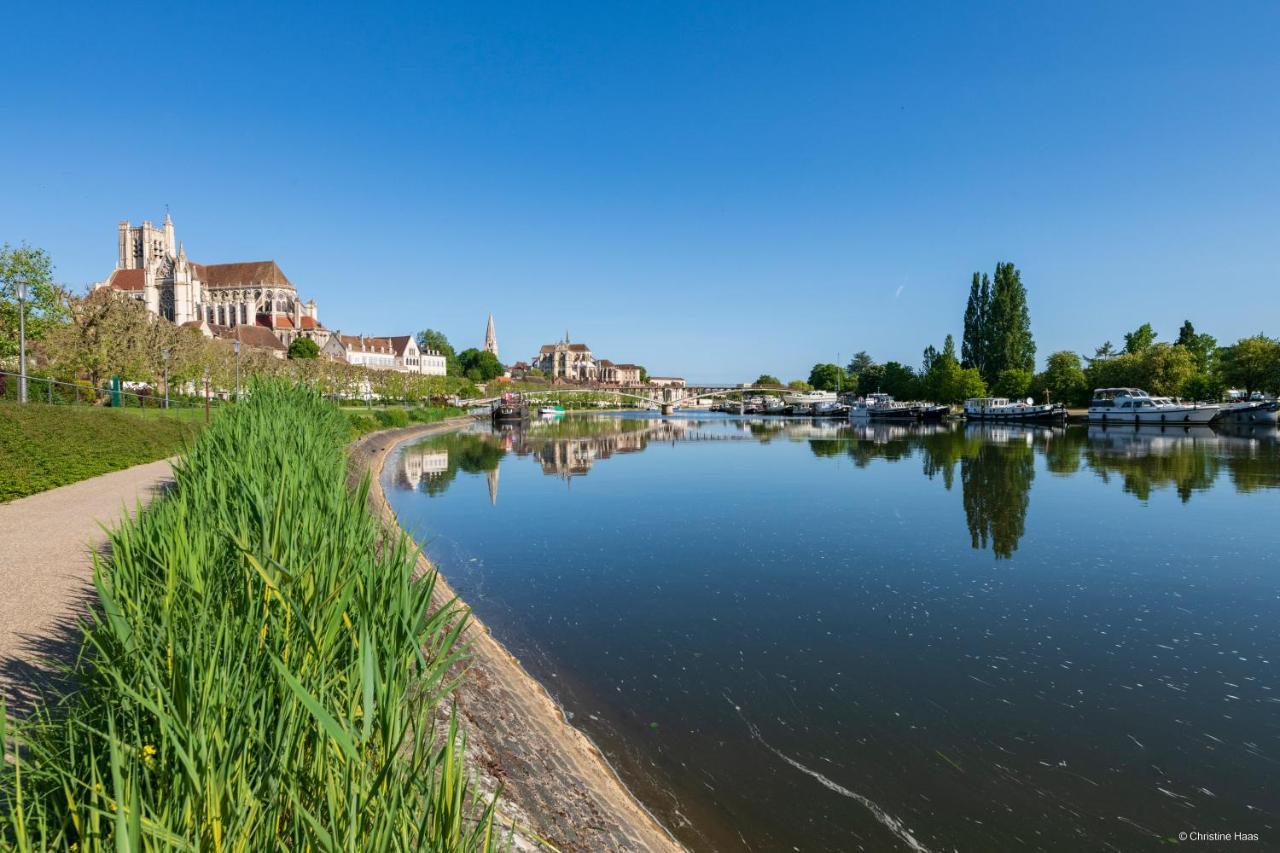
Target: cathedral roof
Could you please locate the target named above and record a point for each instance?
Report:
(127, 279)
(252, 336)
(242, 274)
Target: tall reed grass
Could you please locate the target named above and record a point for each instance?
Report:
(263, 671)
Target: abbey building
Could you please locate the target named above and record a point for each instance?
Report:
(152, 266)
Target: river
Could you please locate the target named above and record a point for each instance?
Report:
(822, 636)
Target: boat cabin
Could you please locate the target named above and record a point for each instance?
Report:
(1119, 398)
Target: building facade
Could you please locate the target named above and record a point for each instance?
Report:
(617, 374)
(153, 267)
(566, 362)
(398, 352)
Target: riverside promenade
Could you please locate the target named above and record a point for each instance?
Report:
(46, 569)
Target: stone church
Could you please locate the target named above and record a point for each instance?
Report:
(153, 267)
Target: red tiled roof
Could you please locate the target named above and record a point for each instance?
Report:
(127, 279)
(242, 274)
(310, 323)
(252, 336)
(579, 348)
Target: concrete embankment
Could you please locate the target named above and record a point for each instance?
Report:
(553, 779)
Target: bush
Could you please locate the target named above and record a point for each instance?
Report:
(248, 685)
(394, 417)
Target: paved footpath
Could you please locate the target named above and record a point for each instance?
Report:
(46, 568)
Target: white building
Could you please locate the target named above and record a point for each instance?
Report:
(399, 352)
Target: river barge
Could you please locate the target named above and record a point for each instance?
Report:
(1001, 409)
(509, 409)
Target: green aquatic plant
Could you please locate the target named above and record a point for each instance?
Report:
(262, 671)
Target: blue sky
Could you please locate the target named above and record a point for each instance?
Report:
(710, 189)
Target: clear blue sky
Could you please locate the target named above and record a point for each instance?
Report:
(713, 189)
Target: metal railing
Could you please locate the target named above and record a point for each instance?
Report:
(44, 389)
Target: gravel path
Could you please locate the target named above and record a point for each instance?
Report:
(46, 569)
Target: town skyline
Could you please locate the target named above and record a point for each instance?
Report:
(645, 182)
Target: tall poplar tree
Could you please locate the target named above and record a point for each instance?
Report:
(1009, 344)
(973, 343)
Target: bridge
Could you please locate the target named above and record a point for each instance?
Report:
(666, 398)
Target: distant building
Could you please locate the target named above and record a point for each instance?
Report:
(666, 381)
(566, 362)
(399, 352)
(491, 338)
(617, 374)
(257, 337)
(152, 267)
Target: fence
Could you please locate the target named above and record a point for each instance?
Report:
(43, 389)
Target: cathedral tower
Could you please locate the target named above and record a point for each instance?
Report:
(491, 338)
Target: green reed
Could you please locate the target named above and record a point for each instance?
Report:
(263, 671)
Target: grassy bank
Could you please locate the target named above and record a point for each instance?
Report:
(43, 446)
(365, 420)
(264, 672)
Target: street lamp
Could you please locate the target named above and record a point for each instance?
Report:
(164, 356)
(235, 345)
(22, 339)
(206, 395)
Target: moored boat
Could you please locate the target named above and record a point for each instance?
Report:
(509, 409)
(550, 411)
(1260, 412)
(1135, 406)
(1002, 409)
(882, 407)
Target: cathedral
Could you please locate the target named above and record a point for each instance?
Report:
(153, 267)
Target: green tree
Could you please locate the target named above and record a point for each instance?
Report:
(799, 385)
(900, 381)
(431, 339)
(860, 362)
(1201, 346)
(1104, 352)
(644, 375)
(46, 303)
(928, 358)
(1009, 344)
(767, 380)
(1252, 364)
(827, 377)
(870, 379)
(948, 382)
(1063, 380)
(1012, 383)
(479, 365)
(1166, 369)
(304, 348)
(973, 343)
(1140, 339)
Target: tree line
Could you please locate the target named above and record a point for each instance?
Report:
(997, 357)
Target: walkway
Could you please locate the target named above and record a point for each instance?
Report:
(46, 569)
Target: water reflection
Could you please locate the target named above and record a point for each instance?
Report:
(996, 463)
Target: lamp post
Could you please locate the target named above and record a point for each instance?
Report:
(22, 339)
(235, 345)
(206, 395)
(164, 356)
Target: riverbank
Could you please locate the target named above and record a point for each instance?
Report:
(553, 778)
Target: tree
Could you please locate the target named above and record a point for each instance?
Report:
(479, 365)
(949, 349)
(799, 385)
(766, 380)
(900, 381)
(870, 379)
(860, 362)
(1012, 383)
(430, 339)
(827, 377)
(1166, 369)
(46, 303)
(1252, 364)
(973, 343)
(929, 357)
(304, 348)
(1104, 352)
(1063, 380)
(1201, 346)
(1008, 342)
(948, 382)
(644, 375)
(1140, 339)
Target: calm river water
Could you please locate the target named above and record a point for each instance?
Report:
(822, 636)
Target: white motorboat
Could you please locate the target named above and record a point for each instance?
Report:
(1001, 409)
(1135, 406)
(882, 407)
(808, 398)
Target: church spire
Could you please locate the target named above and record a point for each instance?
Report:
(490, 337)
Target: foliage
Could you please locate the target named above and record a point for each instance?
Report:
(304, 348)
(371, 419)
(1063, 380)
(827, 377)
(479, 365)
(1252, 364)
(766, 379)
(948, 382)
(1140, 339)
(799, 385)
(264, 673)
(1202, 347)
(973, 344)
(430, 339)
(43, 446)
(46, 303)
(861, 361)
(1009, 345)
(1160, 369)
(1011, 383)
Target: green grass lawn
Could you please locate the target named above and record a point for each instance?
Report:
(44, 446)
